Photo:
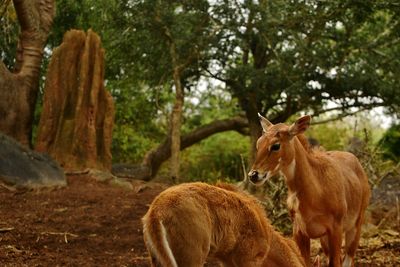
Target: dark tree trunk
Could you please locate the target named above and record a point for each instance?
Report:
(251, 109)
(19, 88)
(78, 113)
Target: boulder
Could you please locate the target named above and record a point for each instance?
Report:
(22, 167)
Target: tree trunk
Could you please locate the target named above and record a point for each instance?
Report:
(255, 133)
(174, 135)
(19, 88)
(76, 124)
(248, 103)
(176, 121)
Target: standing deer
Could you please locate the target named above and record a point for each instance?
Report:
(187, 223)
(328, 192)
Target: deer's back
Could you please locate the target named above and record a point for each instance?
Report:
(211, 216)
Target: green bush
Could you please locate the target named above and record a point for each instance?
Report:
(390, 143)
(129, 145)
(216, 158)
(332, 136)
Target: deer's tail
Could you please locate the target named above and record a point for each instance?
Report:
(156, 239)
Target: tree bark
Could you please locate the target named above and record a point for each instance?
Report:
(19, 88)
(251, 109)
(176, 116)
(76, 124)
(176, 121)
(157, 156)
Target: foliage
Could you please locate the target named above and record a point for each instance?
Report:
(275, 204)
(298, 55)
(9, 31)
(129, 145)
(216, 158)
(390, 143)
(72, 14)
(332, 136)
(135, 130)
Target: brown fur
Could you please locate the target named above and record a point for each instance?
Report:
(328, 191)
(221, 222)
(283, 251)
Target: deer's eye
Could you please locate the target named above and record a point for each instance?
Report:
(275, 147)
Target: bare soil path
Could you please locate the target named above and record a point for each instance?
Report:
(89, 223)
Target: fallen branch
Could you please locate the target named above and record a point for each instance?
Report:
(82, 172)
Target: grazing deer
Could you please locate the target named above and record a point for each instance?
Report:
(328, 192)
(187, 223)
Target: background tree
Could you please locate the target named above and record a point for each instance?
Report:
(183, 30)
(19, 86)
(183, 53)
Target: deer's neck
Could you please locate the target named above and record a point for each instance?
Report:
(284, 252)
(297, 170)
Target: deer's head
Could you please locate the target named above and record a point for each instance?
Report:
(275, 148)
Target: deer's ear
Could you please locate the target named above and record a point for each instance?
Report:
(265, 124)
(300, 126)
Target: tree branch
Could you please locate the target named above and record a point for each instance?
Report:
(157, 156)
(340, 116)
(35, 19)
(341, 108)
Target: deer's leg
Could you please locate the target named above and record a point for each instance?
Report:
(352, 240)
(325, 248)
(325, 244)
(335, 244)
(154, 262)
(303, 242)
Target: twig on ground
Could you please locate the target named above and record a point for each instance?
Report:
(398, 210)
(65, 234)
(9, 188)
(6, 229)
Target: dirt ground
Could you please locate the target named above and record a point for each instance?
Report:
(90, 223)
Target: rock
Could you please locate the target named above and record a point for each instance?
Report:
(131, 171)
(109, 178)
(22, 167)
(101, 176)
(387, 191)
(118, 182)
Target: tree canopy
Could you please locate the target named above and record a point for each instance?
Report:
(292, 55)
(273, 57)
